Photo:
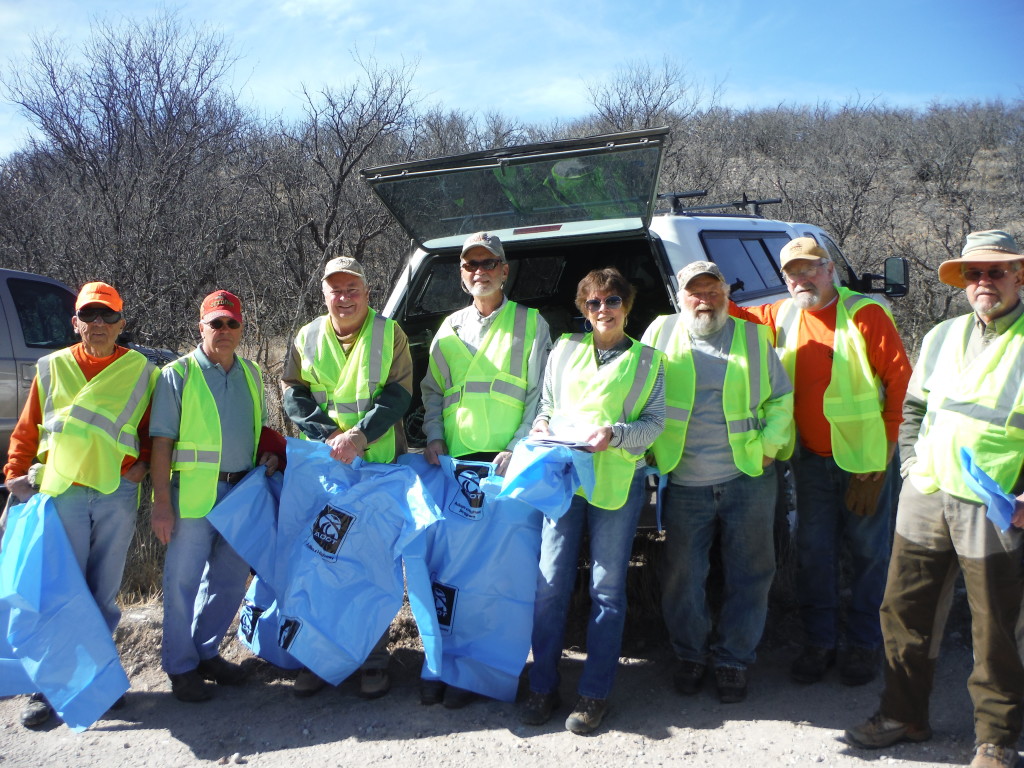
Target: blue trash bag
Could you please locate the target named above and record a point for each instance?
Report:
(999, 504)
(52, 623)
(482, 559)
(247, 518)
(343, 531)
(259, 625)
(546, 477)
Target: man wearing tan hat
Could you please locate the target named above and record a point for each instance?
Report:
(729, 412)
(967, 392)
(481, 391)
(348, 382)
(91, 464)
(849, 372)
(209, 429)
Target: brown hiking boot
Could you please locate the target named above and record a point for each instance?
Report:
(880, 731)
(587, 715)
(991, 756)
(189, 687)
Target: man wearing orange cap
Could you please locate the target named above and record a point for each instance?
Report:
(849, 372)
(91, 464)
(208, 428)
(966, 394)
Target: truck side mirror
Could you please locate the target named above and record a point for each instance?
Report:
(896, 274)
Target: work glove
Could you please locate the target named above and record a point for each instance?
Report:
(862, 495)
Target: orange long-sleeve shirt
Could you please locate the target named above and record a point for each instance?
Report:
(813, 369)
(25, 438)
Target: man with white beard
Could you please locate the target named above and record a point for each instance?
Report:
(849, 372)
(729, 412)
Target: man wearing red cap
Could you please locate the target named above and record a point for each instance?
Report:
(208, 428)
(89, 463)
(966, 394)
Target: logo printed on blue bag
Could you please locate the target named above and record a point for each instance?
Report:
(470, 503)
(248, 619)
(328, 533)
(444, 603)
(289, 629)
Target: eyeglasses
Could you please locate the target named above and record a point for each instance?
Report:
(804, 274)
(344, 293)
(485, 264)
(994, 273)
(609, 302)
(218, 323)
(92, 314)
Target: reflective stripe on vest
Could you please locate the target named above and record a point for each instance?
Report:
(346, 386)
(853, 401)
(979, 406)
(484, 394)
(586, 394)
(742, 396)
(196, 455)
(89, 427)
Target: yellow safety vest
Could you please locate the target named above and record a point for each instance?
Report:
(484, 395)
(89, 427)
(197, 451)
(746, 387)
(854, 398)
(586, 394)
(346, 386)
(978, 406)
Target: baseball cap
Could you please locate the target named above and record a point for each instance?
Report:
(801, 248)
(696, 269)
(343, 264)
(487, 241)
(221, 304)
(99, 293)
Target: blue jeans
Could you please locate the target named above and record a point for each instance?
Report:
(100, 527)
(743, 509)
(822, 521)
(611, 544)
(204, 583)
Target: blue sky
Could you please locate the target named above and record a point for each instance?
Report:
(531, 59)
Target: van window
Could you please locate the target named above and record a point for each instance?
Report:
(748, 258)
(44, 311)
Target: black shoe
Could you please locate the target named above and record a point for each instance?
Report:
(731, 683)
(812, 663)
(221, 671)
(538, 707)
(586, 716)
(37, 711)
(688, 677)
(457, 698)
(190, 687)
(431, 692)
(860, 665)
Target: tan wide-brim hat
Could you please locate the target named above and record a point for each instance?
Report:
(980, 247)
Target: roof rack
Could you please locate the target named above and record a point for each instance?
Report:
(748, 206)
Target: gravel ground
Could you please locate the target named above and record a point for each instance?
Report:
(263, 724)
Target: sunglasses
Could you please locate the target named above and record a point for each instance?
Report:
(609, 302)
(92, 314)
(220, 322)
(485, 264)
(804, 274)
(994, 273)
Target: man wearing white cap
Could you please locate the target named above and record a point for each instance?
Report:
(849, 372)
(348, 382)
(729, 412)
(967, 392)
(481, 391)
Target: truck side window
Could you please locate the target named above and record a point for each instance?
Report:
(749, 257)
(44, 312)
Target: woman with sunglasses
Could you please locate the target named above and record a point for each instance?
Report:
(89, 463)
(607, 390)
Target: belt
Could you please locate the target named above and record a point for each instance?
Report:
(231, 478)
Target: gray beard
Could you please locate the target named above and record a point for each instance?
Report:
(703, 325)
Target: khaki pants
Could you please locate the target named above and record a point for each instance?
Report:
(938, 535)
